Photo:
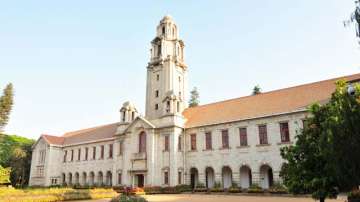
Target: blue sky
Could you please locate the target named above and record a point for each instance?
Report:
(73, 63)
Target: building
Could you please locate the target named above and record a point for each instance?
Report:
(233, 141)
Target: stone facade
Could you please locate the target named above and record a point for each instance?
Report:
(164, 149)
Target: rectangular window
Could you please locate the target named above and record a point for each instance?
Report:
(79, 154)
(86, 153)
(178, 107)
(243, 137)
(159, 50)
(156, 106)
(72, 155)
(156, 93)
(119, 178)
(193, 142)
(284, 132)
(111, 151)
(180, 143)
(179, 178)
(102, 152)
(166, 143)
(94, 152)
(157, 77)
(225, 139)
(65, 156)
(208, 141)
(263, 134)
(166, 177)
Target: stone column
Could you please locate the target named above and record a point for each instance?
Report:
(236, 178)
(173, 139)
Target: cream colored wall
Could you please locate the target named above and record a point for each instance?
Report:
(253, 156)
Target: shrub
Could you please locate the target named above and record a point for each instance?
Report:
(255, 188)
(217, 187)
(183, 188)
(354, 196)
(128, 198)
(200, 187)
(278, 188)
(153, 190)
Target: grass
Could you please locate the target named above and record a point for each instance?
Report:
(53, 194)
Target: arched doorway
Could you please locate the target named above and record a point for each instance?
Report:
(245, 177)
(266, 176)
(70, 179)
(194, 177)
(77, 177)
(108, 178)
(91, 178)
(226, 177)
(63, 178)
(84, 178)
(209, 177)
(100, 179)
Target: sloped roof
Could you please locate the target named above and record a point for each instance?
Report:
(265, 104)
(84, 135)
(53, 139)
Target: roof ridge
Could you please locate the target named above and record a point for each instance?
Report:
(276, 90)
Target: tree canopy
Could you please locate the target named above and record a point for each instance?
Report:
(6, 102)
(256, 90)
(325, 158)
(15, 153)
(194, 98)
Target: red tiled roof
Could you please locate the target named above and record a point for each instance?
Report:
(85, 135)
(53, 139)
(264, 104)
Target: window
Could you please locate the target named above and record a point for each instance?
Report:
(166, 143)
(159, 50)
(178, 106)
(163, 30)
(132, 115)
(119, 178)
(102, 152)
(263, 134)
(193, 142)
(168, 106)
(157, 77)
(121, 147)
(156, 93)
(180, 143)
(72, 155)
(142, 142)
(208, 141)
(41, 156)
(40, 171)
(156, 106)
(243, 137)
(86, 153)
(79, 154)
(94, 152)
(65, 156)
(179, 178)
(111, 151)
(123, 116)
(225, 139)
(179, 79)
(166, 177)
(284, 132)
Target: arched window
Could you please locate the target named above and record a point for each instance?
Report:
(142, 142)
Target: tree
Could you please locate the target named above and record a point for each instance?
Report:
(355, 19)
(256, 90)
(6, 102)
(194, 98)
(325, 156)
(15, 153)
